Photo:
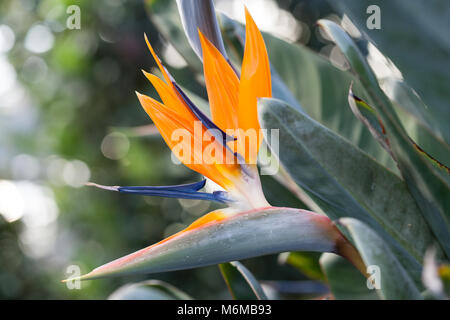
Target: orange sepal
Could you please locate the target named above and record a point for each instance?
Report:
(169, 97)
(167, 121)
(222, 85)
(163, 70)
(255, 81)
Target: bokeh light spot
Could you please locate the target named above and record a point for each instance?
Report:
(25, 167)
(76, 173)
(39, 39)
(115, 146)
(11, 202)
(7, 38)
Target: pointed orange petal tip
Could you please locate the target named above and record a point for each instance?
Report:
(144, 100)
(204, 41)
(145, 72)
(201, 36)
(150, 76)
(148, 42)
(149, 46)
(248, 16)
(158, 61)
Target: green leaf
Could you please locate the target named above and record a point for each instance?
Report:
(429, 186)
(345, 282)
(367, 115)
(277, 195)
(241, 282)
(394, 281)
(421, 56)
(240, 236)
(149, 290)
(416, 118)
(370, 118)
(346, 182)
(305, 262)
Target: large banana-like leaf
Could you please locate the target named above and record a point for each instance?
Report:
(346, 182)
(242, 235)
(428, 184)
(416, 118)
(421, 55)
(241, 282)
(371, 119)
(393, 280)
(414, 115)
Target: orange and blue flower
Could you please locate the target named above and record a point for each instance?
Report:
(233, 105)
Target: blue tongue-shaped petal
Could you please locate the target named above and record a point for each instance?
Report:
(182, 191)
(167, 193)
(180, 187)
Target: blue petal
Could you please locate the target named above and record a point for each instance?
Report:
(183, 191)
(181, 187)
(218, 197)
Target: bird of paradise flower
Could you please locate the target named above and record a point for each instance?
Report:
(233, 105)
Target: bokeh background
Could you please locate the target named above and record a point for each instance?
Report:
(69, 115)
